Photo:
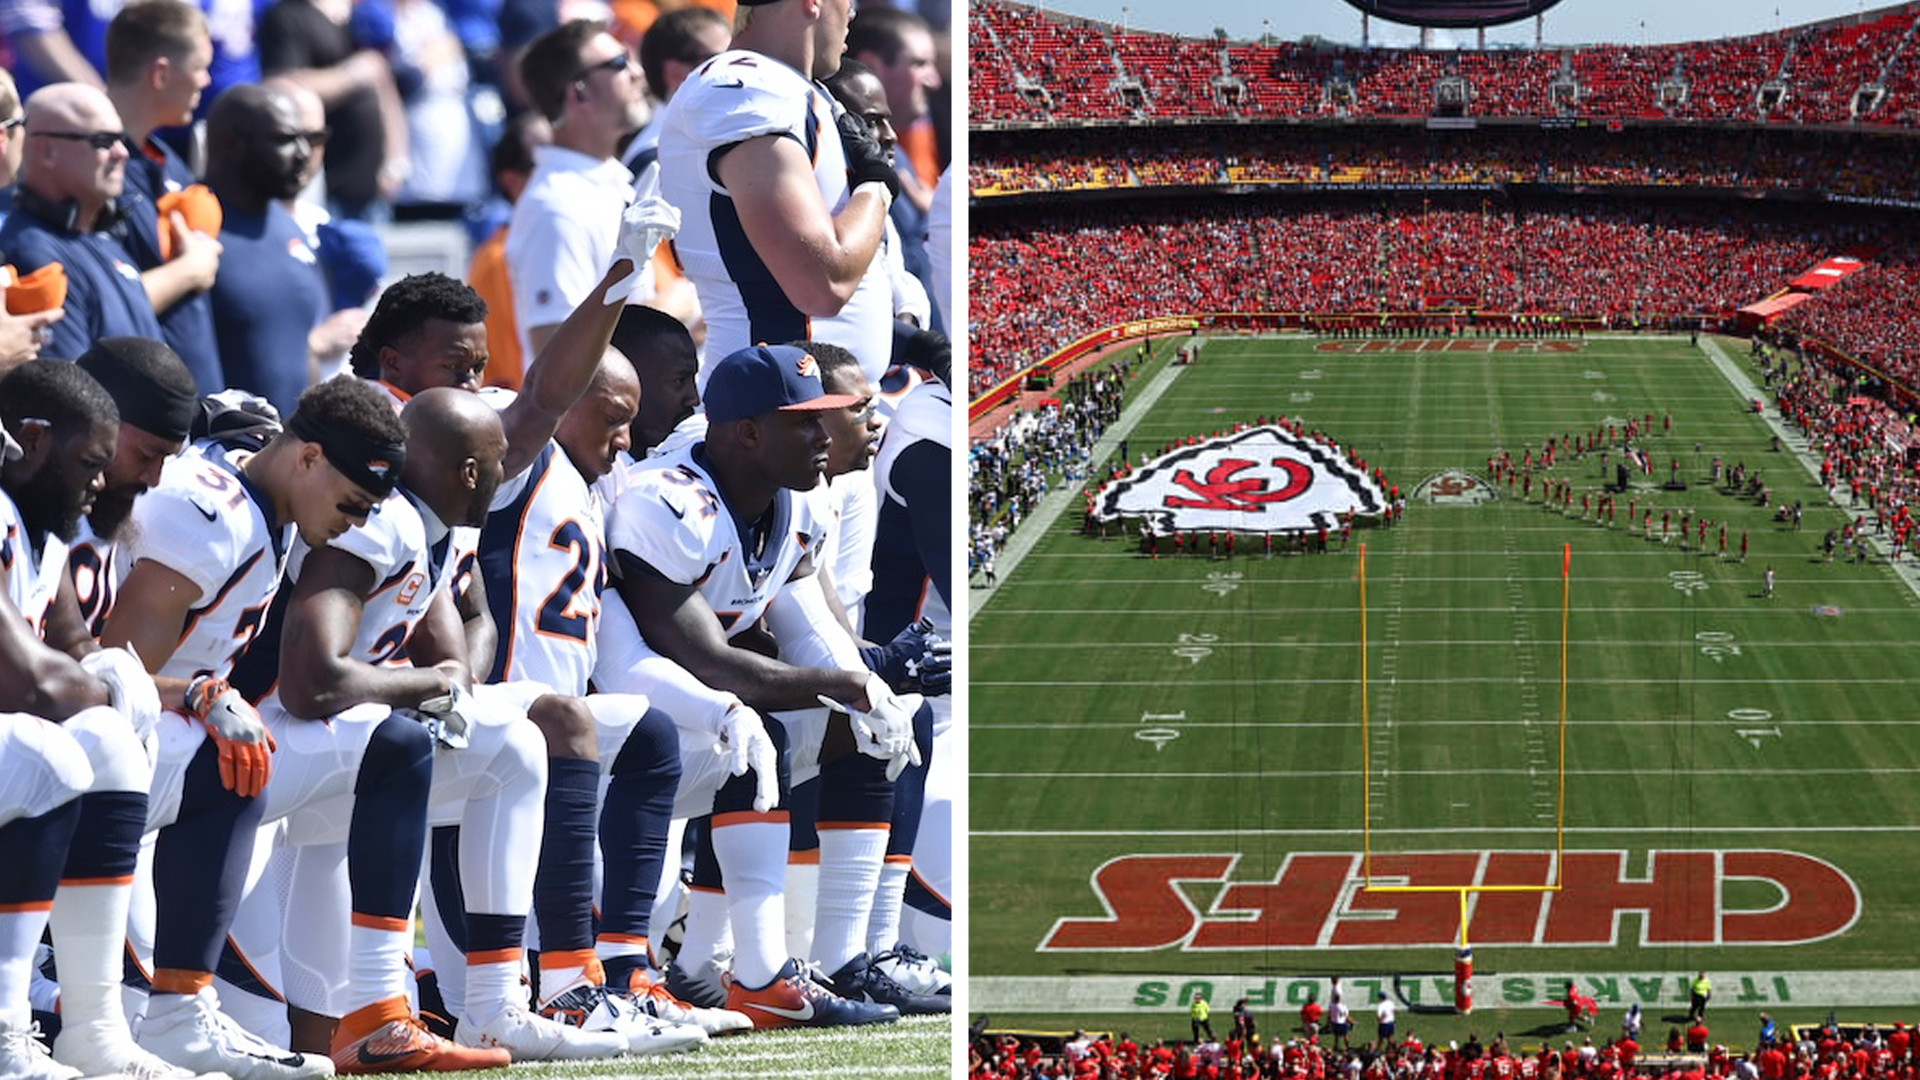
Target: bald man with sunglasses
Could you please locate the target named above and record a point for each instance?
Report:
(73, 170)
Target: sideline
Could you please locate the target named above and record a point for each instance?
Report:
(1056, 502)
(1792, 441)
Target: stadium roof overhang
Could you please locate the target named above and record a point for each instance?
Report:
(1453, 14)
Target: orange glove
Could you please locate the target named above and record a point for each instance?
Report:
(43, 290)
(198, 205)
(246, 747)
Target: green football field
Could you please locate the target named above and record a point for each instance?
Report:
(1168, 757)
(916, 1047)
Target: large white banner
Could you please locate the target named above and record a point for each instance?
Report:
(1261, 479)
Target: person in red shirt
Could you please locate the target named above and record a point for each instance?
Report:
(1310, 1015)
(1697, 1036)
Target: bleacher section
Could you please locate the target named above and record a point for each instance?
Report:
(1029, 65)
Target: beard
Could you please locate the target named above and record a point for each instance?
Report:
(111, 509)
(47, 506)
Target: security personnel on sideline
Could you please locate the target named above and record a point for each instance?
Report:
(1197, 1012)
(1701, 989)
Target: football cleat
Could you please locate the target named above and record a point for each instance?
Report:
(593, 1007)
(794, 999)
(915, 970)
(860, 979)
(191, 1032)
(703, 984)
(97, 1049)
(24, 1057)
(653, 998)
(531, 1037)
(407, 1046)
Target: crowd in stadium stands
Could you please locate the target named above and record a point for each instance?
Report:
(1009, 472)
(1031, 65)
(1842, 1054)
(1032, 292)
(1868, 315)
(1861, 441)
(1773, 159)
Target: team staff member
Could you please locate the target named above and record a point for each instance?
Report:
(784, 206)
(566, 224)
(74, 169)
(158, 52)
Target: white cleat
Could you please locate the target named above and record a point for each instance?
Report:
(653, 998)
(914, 970)
(593, 1007)
(24, 1057)
(98, 1051)
(529, 1036)
(191, 1033)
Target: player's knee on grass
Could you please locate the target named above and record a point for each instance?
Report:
(566, 724)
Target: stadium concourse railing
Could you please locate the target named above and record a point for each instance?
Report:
(1445, 321)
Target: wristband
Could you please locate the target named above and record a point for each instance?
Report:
(203, 691)
(885, 192)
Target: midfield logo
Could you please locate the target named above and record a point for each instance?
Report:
(1315, 901)
(1263, 479)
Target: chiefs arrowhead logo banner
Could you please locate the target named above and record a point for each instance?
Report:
(1262, 479)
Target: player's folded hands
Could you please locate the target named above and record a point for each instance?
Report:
(449, 717)
(744, 740)
(245, 746)
(884, 729)
(129, 687)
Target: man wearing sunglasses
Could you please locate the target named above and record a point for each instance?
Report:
(73, 171)
(567, 223)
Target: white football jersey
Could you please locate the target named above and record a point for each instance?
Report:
(673, 518)
(209, 524)
(97, 571)
(904, 588)
(33, 578)
(407, 573)
(736, 96)
(543, 558)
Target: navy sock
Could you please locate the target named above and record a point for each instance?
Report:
(563, 881)
(634, 823)
(106, 836)
(388, 833)
(449, 899)
(35, 849)
(910, 790)
(198, 868)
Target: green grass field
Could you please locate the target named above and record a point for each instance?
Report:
(914, 1047)
(1167, 761)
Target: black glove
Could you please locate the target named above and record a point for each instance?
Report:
(914, 662)
(928, 350)
(867, 160)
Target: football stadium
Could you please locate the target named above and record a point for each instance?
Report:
(1442, 555)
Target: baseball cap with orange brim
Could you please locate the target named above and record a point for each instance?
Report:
(768, 378)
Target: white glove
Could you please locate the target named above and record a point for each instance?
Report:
(129, 686)
(642, 227)
(885, 729)
(448, 717)
(743, 738)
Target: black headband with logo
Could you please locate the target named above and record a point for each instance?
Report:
(373, 464)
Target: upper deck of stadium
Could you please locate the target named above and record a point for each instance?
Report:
(1029, 66)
